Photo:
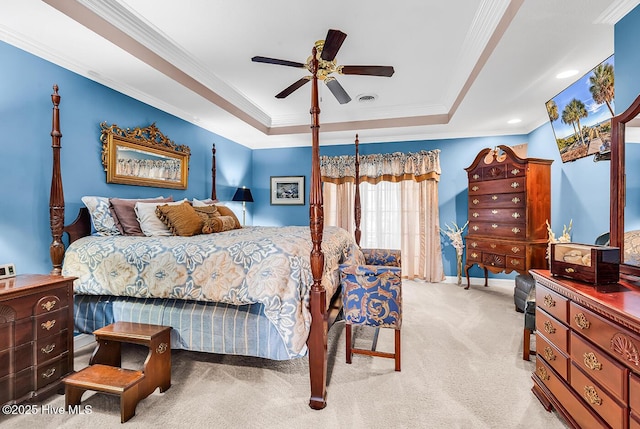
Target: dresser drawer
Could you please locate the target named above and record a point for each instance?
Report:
(27, 306)
(553, 303)
(50, 323)
(552, 356)
(634, 392)
(497, 186)
(51, 346)
(579, 411)
(497, 171)
(617, 341)
(552, 330)
(6, 389)
(498, 229)
(634, 421)
(507, 200)
(506, 215)
(50, 372)
(614, 413)
(24, 382)
(23, 356)
(599, 366)
(513, 248)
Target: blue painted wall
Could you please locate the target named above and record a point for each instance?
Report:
(25, 164)
(580, 190)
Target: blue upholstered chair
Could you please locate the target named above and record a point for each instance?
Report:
(372, 296)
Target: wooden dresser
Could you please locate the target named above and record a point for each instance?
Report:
(36, 336)
(588, 344)
(509, 204)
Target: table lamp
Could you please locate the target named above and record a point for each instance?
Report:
(243, 194)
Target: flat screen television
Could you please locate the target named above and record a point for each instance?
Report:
(581, 114)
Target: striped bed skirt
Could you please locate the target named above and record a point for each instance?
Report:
(198, 326)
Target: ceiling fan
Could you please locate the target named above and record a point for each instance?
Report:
(325, 53)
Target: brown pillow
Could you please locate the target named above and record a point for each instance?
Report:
(226, 211)
(219, 224)
(181, 219)
(206, 212)
(124, 214)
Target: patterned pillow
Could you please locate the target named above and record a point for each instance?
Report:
(219, 224)
(354, 256)
(206, 212)
(181, 219)
(226, 211)
(148, 220)
(103, 223)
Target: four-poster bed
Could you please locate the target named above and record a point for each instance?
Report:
(323, 305)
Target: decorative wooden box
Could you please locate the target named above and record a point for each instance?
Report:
(586, 262)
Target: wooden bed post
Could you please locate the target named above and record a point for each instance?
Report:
(317, 342)
(357, 210)
(56, 198)
(214, 196)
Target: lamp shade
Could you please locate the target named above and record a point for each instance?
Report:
(243, 194)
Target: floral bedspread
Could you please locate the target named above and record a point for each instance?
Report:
(268, 265)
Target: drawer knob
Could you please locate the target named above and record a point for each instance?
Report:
(515, 262)
(162, 347)
(474, 244)
(48, 324)
(474, 255)
(493, 245)
(49, 305)
(476, 201)
(475, 188)
(514, 185)
(548, 354)
(494, 226)
(475, 227)
(494, 197)
(569, 270)
(515, 230)
(591, 361)
(515, 171)
(548, 327)
(515, 249)
(591, 395)
(49, 373)
(541, 371)
(476, 176)
(48, 348)
(475, 214)
(549, 301)
(515, 200)
(581, 321)
(515, 215)
(494, 211)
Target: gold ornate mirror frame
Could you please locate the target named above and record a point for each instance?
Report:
(143, 157)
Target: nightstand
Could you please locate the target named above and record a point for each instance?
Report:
(36, 336)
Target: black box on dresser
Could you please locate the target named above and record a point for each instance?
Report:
(585, 262)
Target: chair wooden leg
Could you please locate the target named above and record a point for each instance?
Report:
(526, 344)
(349, 344)
(397, 351)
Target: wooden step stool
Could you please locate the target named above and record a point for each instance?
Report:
(105, 375)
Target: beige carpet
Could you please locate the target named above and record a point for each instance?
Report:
(462, 367)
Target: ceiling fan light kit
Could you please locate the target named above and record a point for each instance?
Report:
(325, 54)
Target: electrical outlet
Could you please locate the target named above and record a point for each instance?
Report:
(7, 270)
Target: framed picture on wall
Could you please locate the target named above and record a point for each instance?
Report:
(287, 190)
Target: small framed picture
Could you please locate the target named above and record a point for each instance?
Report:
(287, 190)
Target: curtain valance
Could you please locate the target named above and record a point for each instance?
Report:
(391, 167)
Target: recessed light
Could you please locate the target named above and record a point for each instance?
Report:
(514, 121)
(567, 73)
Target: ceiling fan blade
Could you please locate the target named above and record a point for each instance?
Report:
(297, 84)
(338, 91)
(332, 44)
(386, 71)
(277, 61)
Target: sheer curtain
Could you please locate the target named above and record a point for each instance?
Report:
(399, 195)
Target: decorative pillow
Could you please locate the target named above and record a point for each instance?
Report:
(219, 224)
(226, 211)
(181, 219)
(125, 213)
(354, 256)
(150, 224)
(203, 203)
(103, 223)
(206, 212)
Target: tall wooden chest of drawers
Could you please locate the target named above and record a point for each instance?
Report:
(36, 336)
(588, 344)
(509, 204)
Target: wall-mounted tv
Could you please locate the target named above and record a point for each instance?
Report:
(581, 114)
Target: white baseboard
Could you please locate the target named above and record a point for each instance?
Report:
(83, 340)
